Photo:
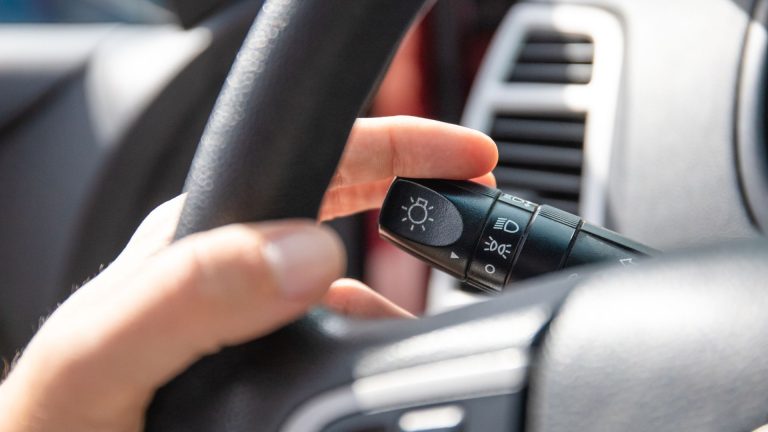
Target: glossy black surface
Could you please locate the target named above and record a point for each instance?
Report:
(472, 203)
(490, 239)
(421, 215)
(498, 246)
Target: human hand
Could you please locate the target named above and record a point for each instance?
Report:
(97, 361)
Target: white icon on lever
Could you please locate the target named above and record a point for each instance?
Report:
(506, 225)
(518, 200)
(626, 262)
(500, 248)
(490, 269)
(417, 213)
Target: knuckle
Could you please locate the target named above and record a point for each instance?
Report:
(158, 227)
(163, 213)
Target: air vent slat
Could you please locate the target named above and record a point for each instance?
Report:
(557, 132)
(541, 156)
(552, 73)
(555, 37)
(557, 53)
(538, 180)
(553, 58)
(533, 154)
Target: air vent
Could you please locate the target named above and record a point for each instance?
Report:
(552, 57)
(540, 157)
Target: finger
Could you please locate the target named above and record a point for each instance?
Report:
(204, 292)
(155, 231)
(487, 179)
(344, 201)
(353, 298)
(380, 148)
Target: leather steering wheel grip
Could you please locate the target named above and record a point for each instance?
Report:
(277, 132)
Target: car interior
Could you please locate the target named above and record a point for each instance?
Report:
(643, 117)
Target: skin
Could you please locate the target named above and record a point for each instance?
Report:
(96, 362)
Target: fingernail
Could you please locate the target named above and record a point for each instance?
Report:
(305, 258)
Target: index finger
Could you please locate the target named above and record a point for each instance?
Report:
(380, 148)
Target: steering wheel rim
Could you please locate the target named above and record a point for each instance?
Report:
(303, 74)
(306, 68)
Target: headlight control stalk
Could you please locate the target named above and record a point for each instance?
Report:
(490, 239)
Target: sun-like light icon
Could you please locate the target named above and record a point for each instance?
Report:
(417, 213)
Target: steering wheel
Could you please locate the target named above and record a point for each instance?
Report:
(679, 343)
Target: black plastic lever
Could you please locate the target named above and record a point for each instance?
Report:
(488, 238)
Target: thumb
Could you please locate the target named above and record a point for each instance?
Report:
(207, 291)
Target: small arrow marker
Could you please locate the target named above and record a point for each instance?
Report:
(454, 256)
